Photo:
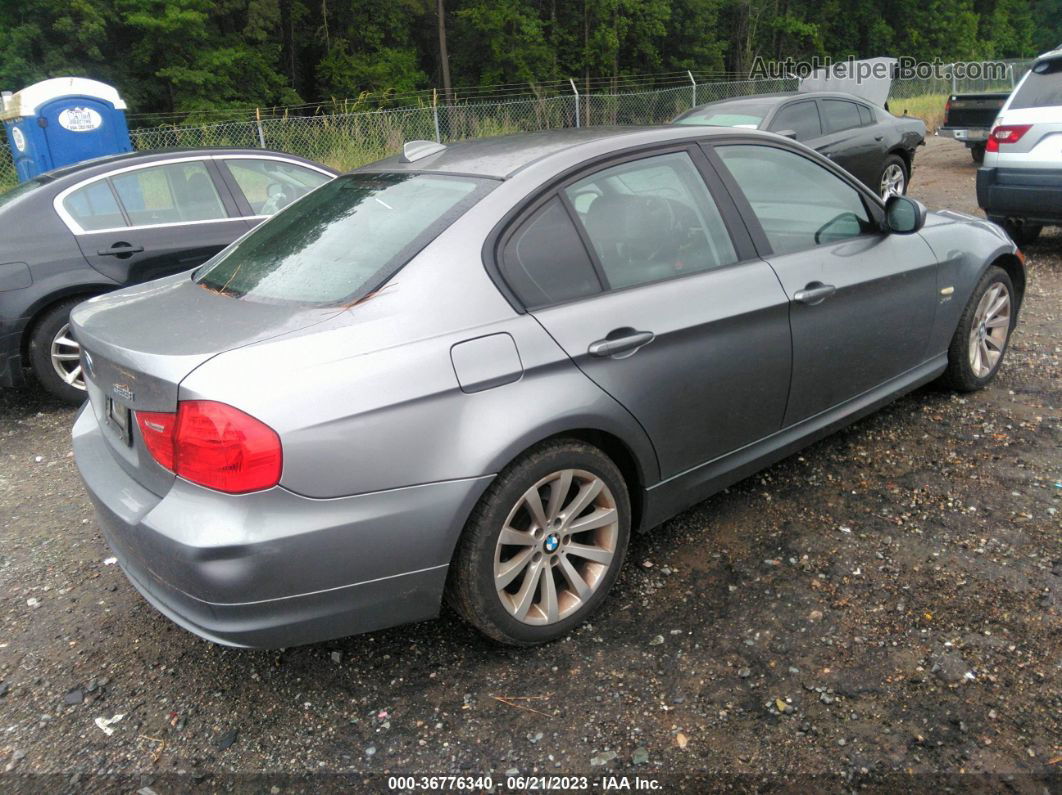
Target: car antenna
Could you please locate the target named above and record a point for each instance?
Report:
(415, 150)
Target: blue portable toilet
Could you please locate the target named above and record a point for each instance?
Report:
(62, 121)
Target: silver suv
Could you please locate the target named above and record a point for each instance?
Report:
(1020, 185)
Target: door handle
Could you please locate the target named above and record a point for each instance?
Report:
(120, 249)
(878, 137)
(621, 341)
(814, 293)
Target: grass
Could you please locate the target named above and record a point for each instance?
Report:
(927, 107)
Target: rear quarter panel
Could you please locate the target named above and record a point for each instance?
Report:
(33, 234)
(368, 400)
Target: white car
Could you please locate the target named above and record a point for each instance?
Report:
(1020, 184)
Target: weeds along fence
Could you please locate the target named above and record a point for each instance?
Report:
(345, 140)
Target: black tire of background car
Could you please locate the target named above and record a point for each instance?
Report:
(470, 587)
(960, 375)
(888, 161)
(40, 352)
(1020, 231)
(978, 153)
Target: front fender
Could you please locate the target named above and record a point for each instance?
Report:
(965, 246)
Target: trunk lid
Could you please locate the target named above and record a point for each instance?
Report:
(139, 343)
(869, 79)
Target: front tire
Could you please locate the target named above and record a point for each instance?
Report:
(981, 338)
(892, 181)
(543, 546)
(54, 355)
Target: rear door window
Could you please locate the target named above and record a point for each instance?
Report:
(865, 116)
(271, 185)
(840, 115)
(344, 239)
(94, 207)
(800, 117)
(652, 219)
(545, 262)
(169, 194)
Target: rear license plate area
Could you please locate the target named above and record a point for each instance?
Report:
(118, 415)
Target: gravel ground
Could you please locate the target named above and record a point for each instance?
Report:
(882, 608)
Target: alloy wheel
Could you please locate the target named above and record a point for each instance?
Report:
(556, 546)
(892, 181)
(66, 358)
(990, 329)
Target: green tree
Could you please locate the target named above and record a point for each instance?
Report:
(501, 41)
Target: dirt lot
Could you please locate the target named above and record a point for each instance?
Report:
(881, 608)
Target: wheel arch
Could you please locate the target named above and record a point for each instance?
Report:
(1015, 270)
(900, 151)
(46, 303)
(623, 457)
(638, 470)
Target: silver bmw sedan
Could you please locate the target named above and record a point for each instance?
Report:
(470, 371)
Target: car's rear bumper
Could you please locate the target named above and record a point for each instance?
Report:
(274, 568)
(971, 136)
(1032, 194)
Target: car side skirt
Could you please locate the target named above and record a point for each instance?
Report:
(670, 497)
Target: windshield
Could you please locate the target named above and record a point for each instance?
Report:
(1042, 88)
(344, 239)
(20, 190)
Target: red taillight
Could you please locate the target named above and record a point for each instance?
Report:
(157, 429)
(1005, 134)
(214, 445)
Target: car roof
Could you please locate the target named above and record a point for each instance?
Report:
(100, 163)
(1050, 55)
(504, 156)
(776, 99)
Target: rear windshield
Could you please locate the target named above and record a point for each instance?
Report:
(20, 190)
(344, 239)
(745, 115)
(1041, 89)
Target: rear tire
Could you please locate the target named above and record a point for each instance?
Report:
(893, 178)
(500, 587)
(49, 354)
(970, 369)
(978, 153)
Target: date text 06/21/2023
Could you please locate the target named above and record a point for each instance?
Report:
(608, 783)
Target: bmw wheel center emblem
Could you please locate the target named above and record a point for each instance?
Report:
(551, 543)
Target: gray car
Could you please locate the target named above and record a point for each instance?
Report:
(473, 370)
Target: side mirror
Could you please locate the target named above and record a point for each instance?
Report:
(904, 216)
(787, 134)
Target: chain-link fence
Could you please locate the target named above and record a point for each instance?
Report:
(7, 167)
(345, 140)
(967, 78)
